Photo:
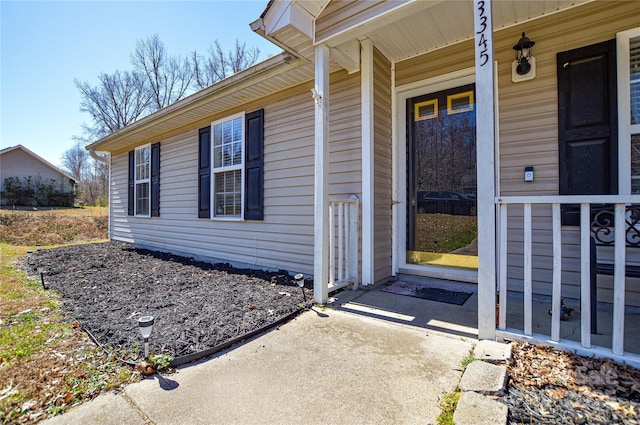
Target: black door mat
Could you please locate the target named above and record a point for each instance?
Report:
(426, 292)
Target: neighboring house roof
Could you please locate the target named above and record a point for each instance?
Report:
(37, 157)
(270, 76)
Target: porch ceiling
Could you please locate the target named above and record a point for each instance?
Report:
(423, 26)
(409, 28)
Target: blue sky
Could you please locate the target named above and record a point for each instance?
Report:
(46, 44)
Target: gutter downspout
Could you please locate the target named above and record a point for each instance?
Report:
(94, 155)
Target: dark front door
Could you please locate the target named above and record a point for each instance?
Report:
(587, 123)
(441, 179)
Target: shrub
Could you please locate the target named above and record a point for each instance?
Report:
(36, 192)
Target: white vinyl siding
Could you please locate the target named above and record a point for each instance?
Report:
(284, 239)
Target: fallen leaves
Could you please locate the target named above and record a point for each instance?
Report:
(551, 386)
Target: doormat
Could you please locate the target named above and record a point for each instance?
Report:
(426, 292)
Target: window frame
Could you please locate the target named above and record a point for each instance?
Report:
(625, 129)
(137, 181)
(227, 168)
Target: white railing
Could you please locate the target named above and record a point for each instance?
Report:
(525, 204)
(343, 241)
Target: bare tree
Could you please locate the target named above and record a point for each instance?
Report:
(168, 77)
(218, 65)
(76, 159)
(118, 100)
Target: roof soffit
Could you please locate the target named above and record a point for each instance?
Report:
(402, 29)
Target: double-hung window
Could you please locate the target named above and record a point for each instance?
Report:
(227, 171)
(142, 180)
(143, 197)
(230, 168)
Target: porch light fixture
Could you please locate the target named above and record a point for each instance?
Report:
(145, 323)
(524, 67)
(299, 278)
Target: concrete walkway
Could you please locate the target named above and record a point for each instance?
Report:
(329, 367)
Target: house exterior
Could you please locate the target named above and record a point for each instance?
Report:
(319, 160)
(23, 168)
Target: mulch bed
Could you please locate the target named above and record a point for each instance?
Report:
(553, 387)
(106, 287)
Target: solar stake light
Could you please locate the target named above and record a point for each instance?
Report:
(145, 323)
(30, 257)
(42, 271)
(300, 281)
(38, 246)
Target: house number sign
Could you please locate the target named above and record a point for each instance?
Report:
(484, 29)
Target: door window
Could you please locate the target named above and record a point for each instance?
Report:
(441, 164)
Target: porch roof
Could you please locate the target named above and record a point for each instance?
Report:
(400, 29)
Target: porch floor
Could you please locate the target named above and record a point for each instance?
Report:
(462, 321)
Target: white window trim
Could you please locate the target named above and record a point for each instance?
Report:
(625, 129)
(136, 182)
(215, 170)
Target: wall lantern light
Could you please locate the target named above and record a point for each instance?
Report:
(524, 67)
(145, 324)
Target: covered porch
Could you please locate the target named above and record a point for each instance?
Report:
(390, 44)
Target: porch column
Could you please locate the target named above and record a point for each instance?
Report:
(321, 168)
(485, 135)
(368, 210)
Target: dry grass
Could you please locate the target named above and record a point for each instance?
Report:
(46, 363)
(53, 226)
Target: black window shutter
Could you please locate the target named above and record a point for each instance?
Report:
(155, 180)
(132, 182)
(253, 176)
(204, 172)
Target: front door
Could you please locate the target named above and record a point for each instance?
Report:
(441, 179)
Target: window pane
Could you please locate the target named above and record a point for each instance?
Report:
(217, 135)
(634, 59)
(226, 132)
(228, 193)
(228, 156)
(142, 163)
(217, 156)
(237, 153)
(142, 199)
(237, 129)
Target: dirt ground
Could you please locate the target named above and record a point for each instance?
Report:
(106, 287)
